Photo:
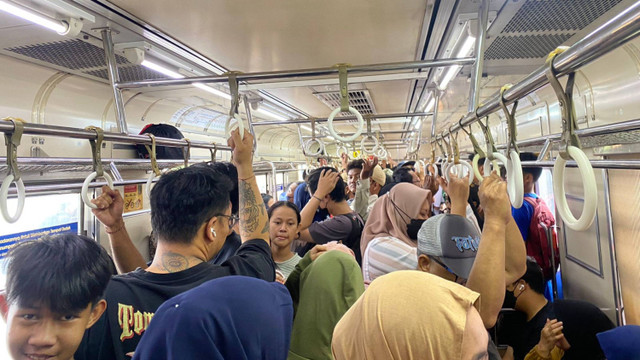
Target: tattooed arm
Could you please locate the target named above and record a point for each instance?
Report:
(254, 222)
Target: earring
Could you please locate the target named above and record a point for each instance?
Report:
(213, 232)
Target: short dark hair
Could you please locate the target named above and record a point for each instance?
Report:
(337, 194)
(184, 199)
(162, 152)
(231, 172)
(288, 204)
(385, 189)
(533, 276)
(265, 199)
(534, 171)
(355, 164)
(402, 174)
(64, 272)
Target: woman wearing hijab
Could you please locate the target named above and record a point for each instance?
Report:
(233, 317)
(412, 315)
(323, 287)
(404, 208)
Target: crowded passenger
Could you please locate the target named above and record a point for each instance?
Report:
(354, 168)
(324, 285)
(450, 246)
(406, 175)
(412, 315)
(396, 214)
(368, 186)
(581, 321)
(474, 200)
(191, 214)
(301, 198)
(328, 192)
(268, 200)
(621, 343)
(53, 293)
(284, 223)
(387, 254)
(235, 317)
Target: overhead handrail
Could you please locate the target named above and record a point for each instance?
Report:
(570, 148)
(344, 106)
(155, 170)
(233, 111)
(374, 149)
(515, 182)
(12, 140)
(98, 170)
(214, 152)
(457, 164)
(307, 144)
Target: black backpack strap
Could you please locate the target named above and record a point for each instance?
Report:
(353, 241)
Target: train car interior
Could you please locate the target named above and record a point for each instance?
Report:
(432, 81)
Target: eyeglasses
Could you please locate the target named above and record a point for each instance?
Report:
(458, 279)
(233, 219)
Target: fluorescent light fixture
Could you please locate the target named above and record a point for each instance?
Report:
(59, 26)
(212, 90)
(453, 70)
(272, 115)
(430, 105)
(305, 127)
(161, 69)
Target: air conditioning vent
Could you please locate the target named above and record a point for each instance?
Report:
(358, 99)
(524, 46)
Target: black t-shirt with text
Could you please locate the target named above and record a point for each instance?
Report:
(133, 298)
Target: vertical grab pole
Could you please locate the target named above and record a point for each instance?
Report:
(114, 78)
(476, 75)
(549, 232)
(274, 180)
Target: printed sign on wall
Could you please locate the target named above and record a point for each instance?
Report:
(9, 241)
(132, 198)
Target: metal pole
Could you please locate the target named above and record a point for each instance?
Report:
(342, 118)
(614, 33)
(435, 116)
(75, 133)
(114, 78)
(476, 75)
(596, 164)
(268, 75)
(617, 296)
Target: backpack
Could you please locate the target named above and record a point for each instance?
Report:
(537, 243)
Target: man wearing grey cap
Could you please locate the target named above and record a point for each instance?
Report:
(450, 246)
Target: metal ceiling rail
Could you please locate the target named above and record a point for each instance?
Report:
(342, 118)
(614, 33)
(268, 75)
(76, 133)
(596, 164)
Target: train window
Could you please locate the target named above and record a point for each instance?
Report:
(545, 189)
(42, 215)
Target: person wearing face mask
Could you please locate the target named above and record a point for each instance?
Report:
(581, 320)
(394, 213)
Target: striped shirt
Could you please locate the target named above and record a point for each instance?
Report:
(387, 254)
(287, 266)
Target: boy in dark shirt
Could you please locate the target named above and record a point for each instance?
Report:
(53, 294)
(191, 214)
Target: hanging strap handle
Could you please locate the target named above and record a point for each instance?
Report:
(565, 98)
(491, 147)
(448, 145)
(187, 152)
(12, 139)
(152, 155)
(344, 87)
(476, 147)
(96, 149)
(453, 137)
(511, 120)
(213, 152)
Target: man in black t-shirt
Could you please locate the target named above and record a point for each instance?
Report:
(521, 330)
(191, 215)
(328, 192)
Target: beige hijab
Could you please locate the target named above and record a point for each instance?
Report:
(386, 219)
(405, 315)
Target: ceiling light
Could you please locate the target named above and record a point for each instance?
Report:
(271, 114)
(305, 127)
(430, 105)
(161, 69)
(212, 90)
(465, 49)
(59, 26)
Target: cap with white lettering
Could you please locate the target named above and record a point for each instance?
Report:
(451, 238)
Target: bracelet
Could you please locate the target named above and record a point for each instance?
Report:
(317, 198)
(106, 229)
(250, 177)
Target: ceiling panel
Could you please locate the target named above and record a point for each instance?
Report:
(260, 35)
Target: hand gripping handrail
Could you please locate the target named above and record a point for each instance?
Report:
(306, 147)
(98, 171)
(570, 148)
(344, 106)
(12, 140)
(457, 164)
(233, 111)
(155, 170)
(515, 182)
